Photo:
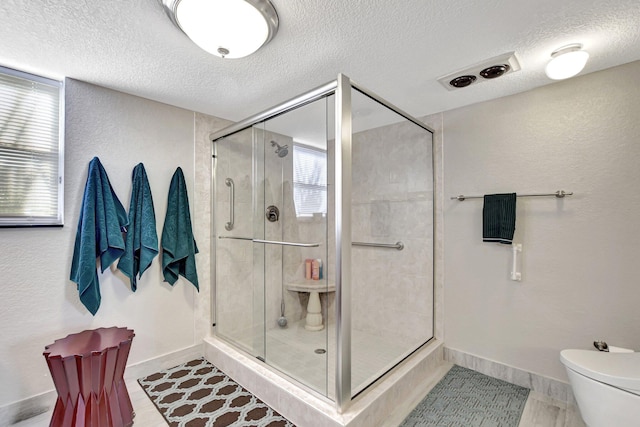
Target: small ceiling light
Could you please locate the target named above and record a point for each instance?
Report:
(566, 62)
(225, 28)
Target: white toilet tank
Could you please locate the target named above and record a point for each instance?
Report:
(606, 386)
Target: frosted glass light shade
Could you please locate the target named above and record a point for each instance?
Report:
(225, 28)
(566, 62)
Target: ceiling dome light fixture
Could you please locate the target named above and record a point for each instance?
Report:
(566, 62)
(225, 28)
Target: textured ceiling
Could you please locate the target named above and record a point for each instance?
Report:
(395, 48)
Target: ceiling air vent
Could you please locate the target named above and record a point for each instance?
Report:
(489, 69)
(462, 81)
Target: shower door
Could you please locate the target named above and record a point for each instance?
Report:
(289, 198)
(392, 239)
(271, 186)
(236, 287)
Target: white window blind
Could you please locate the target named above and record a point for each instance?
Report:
(309, 180)
(31, 149)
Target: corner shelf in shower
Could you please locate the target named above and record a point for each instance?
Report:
(314, 309)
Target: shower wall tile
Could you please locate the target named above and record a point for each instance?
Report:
(277, 174)
(277, 265)
(393, 201)
(380, 218)
(234, 258)
(414, 213)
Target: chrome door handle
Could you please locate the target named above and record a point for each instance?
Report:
(272, 242)
(229, 183)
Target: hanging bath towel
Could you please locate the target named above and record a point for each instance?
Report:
(178, 245)
(499, 218)
(102, 221)
(141, 244)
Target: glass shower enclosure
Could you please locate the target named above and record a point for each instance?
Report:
(323, 238)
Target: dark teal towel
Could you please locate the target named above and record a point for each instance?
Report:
(102, 221)
(178, 245)
(499, 218)
(141, 244)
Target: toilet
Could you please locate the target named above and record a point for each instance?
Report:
(606, 386)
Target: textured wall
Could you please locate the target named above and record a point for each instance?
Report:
(580, 253)
(38, 302)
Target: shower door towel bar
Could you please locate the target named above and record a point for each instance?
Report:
(398, 245)
(272, 242)
(559, 194)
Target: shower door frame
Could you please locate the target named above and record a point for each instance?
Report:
(342, 89)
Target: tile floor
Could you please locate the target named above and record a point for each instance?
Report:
(542, 411)
(292, 350)
(146, 413)
(539, 411)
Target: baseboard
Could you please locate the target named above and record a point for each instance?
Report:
(27, 408)
(165, 361)
(41, 403)
(549, 387)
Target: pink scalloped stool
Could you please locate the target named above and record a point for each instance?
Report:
(87, 369)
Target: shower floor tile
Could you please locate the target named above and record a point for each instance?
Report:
(292, 350)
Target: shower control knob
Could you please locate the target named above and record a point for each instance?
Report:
(272, 214)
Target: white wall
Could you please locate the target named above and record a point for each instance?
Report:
(38, 302)
(580, 279)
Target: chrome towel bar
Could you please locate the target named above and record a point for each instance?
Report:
(559, 194)
(398, 245)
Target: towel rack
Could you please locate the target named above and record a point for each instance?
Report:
(559, 194)
(398, 245)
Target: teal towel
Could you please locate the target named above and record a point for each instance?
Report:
(178, 245)
(102, 220)
(141, 244)
(499, 218)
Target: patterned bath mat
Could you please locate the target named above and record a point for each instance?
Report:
(197, 394)
(466, 398)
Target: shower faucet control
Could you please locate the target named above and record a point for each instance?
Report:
(272, 214)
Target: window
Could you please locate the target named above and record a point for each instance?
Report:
(31, 149)
(309, 180)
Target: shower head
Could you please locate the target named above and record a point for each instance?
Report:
(282, 150)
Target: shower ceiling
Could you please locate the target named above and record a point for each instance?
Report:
(397, 48)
